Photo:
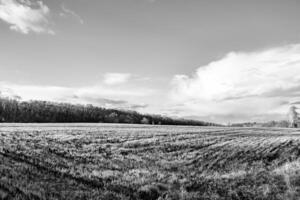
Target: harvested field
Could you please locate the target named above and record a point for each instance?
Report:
(111, 161)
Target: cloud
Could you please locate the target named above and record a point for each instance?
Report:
(151, 1)
(25, 16)
(116, 78)
(118, 98)
(72, 13)
(109, 103)
(104, 101)
(138, 106)
(7, 92)
(245, 84)
(32, 92)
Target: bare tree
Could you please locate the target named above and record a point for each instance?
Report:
(293, 116)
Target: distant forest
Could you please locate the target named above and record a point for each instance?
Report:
(282, 124)
(12, 110)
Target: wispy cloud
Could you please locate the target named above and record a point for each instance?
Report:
(72, 13)
(151, 1)
(111, 103)
(242, 84)
(26, 16)
(116, 78)
(99, 95)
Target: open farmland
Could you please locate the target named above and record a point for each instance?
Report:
(109, 161)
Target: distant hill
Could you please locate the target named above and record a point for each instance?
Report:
(13, 110)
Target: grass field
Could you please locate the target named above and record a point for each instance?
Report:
(108, 161)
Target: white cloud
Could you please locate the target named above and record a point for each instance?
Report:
(242, 86)
(99, 95)
(25, 16)
(116, 78)
(72, 13)
(32, 92)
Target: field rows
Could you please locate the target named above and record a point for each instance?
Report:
(78, 161)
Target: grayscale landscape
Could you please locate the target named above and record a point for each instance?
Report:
(149, 99)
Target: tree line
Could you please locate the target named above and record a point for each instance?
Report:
(13, 110)
(281, 124)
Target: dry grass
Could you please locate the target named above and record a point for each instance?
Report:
(78, 161)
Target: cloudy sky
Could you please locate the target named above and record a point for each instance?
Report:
(220, 61)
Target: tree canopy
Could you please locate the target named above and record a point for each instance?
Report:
(13, 110)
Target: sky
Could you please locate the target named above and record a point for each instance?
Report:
(221, 61)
